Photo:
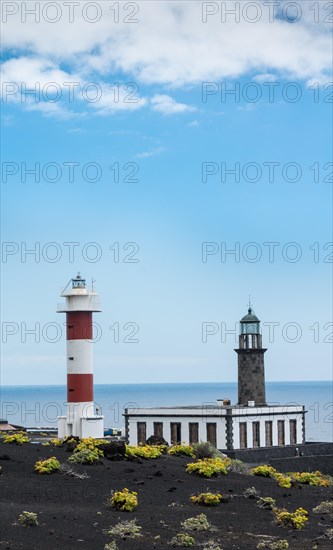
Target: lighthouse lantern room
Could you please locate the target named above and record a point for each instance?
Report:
(81, 418)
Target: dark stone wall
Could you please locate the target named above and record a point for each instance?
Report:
(323, 463)
(251, 376)
(316, 456)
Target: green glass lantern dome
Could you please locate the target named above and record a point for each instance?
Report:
(250, 324)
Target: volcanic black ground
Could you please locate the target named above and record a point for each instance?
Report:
(73, 513)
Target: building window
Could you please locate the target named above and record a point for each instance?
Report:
(142, 432)
(243, 435)
(175, 432)
(293, 432)
(281, 435)
(158, 429)
(256, 434)
(193, 429)
(211, 433)
(268, 433)
(71, 358)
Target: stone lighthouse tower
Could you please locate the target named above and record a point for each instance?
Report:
(80, 419)
(251, 368)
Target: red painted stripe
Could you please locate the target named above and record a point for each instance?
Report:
(80, 388)
(79, 325)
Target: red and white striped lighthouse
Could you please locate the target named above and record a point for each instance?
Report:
(81, 419)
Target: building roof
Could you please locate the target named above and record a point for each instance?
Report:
(5, 427)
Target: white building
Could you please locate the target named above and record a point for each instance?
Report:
(252, 423)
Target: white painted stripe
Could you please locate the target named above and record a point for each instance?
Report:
(82, 353)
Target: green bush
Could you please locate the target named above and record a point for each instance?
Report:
(126, 530)
(205, 449)
(182, 539)
(328, 534)
(111, 545)
(325, 507)
(267, 503)
(251, 492)
(28, 519)
(197, 523)
(84, 456)
(275, 545)
(238, 467)
(211, 545)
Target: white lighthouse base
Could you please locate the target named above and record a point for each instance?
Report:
(81, 422)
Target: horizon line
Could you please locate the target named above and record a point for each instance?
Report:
(161, 383)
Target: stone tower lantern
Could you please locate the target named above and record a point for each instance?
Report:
(251, 368)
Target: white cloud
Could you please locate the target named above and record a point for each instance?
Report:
(168, 106)
(169, 45)
(40, 86)
(151, 153)
(193, 124)
(118, 98)
(265, 77)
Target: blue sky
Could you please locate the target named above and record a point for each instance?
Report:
(166, 141)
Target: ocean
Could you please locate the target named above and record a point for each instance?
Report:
(40, 405)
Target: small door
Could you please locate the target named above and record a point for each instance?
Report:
(281, 436)
(243, 435)
(211, 433)
(293, 432)
(268, 433)
(142, 432)
(158, 429)
(193, 429)
(256, 434)
(175, 432)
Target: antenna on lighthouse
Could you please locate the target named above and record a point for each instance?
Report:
(92, 284)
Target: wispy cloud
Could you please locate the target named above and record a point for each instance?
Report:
(265, 77)
(151, 153)
(193, 124)
(168, 106)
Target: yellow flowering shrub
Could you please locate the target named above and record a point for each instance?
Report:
(207, 499)
(282, 480)
(186, 450)
(310, 478)
(18, 438)
(296, 519)
(145, 451)
(268, 471)
(209, 467)
(47, 466)
(264, 471)
(89, 443)
(56, 442)
(124, 500)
